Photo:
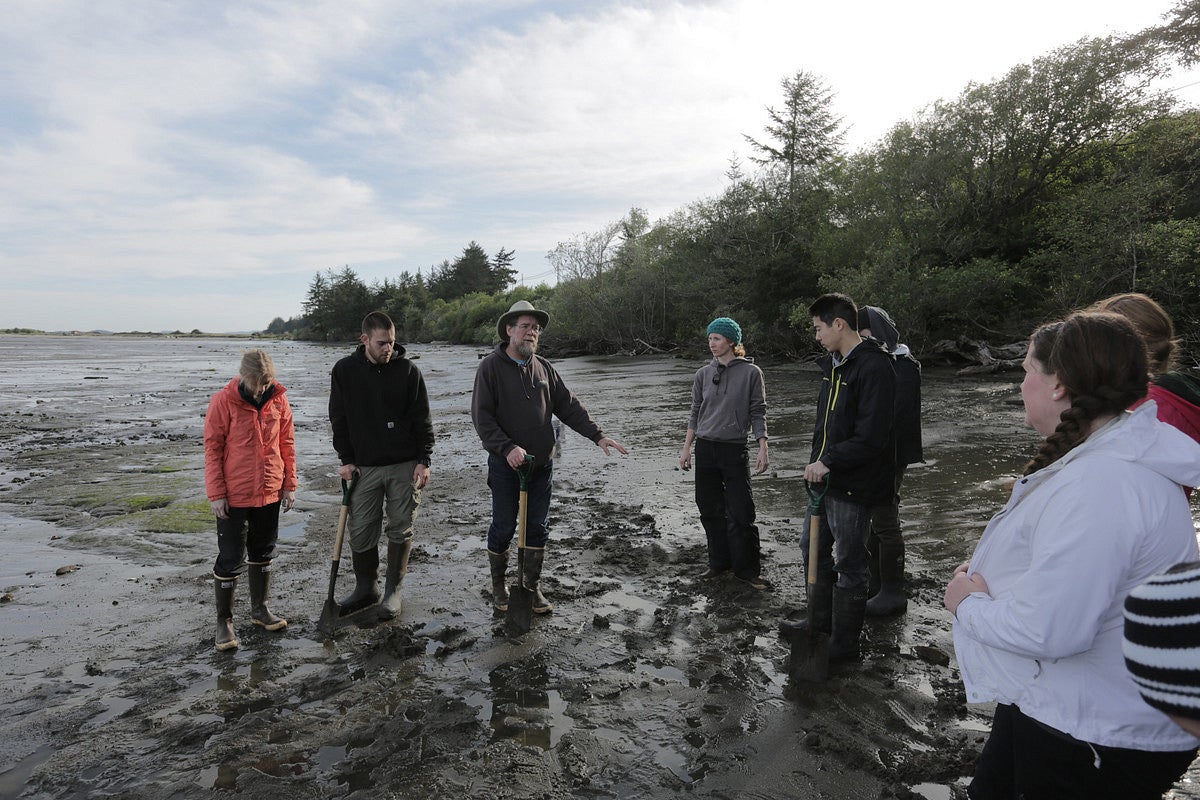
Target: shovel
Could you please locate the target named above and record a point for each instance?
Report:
(331, 613)
(810, 653)
(519, 616)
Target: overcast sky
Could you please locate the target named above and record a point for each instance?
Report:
(192, 164)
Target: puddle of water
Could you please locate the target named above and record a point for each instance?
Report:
(218, 776)
(616, 601)
(521, 707)
(528, 716)
(293, 531)
(116, 707)
(935, 791)
(329, 756)
(918, 683)
(13, 779)
(663, 673)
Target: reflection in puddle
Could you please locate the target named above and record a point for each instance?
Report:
(520, 706)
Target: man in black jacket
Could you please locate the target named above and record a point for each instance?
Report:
(853, 462)
(382, 430)
(887, 541)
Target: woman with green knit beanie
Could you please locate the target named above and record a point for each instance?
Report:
(729, 402)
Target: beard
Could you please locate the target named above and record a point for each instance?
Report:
(526, 350)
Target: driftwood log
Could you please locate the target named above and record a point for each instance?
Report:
(976, 356)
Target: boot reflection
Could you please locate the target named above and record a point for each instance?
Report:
(521, 705)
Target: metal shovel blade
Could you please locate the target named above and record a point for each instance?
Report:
(519, 616)
(810, 657)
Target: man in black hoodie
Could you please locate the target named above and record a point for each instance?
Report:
(853, 463)
(382, 430)
(887, 542)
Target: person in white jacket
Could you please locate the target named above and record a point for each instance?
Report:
(1039, 607)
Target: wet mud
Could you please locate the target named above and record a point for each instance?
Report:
(643, 682)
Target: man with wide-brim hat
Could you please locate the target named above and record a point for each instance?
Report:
(518, 309)
(517, 394)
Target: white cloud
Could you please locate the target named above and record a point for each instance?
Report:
(228, 144)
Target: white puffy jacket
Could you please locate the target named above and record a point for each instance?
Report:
(1073, 540)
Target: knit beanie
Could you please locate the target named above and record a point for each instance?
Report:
(727, 328)
(1162, 640)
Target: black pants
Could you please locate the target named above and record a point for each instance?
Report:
(1026, 760)
(727, 507)
(246, 532)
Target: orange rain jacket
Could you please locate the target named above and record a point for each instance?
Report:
(249, 453)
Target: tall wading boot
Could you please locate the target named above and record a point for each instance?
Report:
(873, 564)
(366, 587)
(533, 574)
(891, 598)
(498, 562)
(259, 576)
(849, 608)
(226, 638)
(397, 568)
(820, 597)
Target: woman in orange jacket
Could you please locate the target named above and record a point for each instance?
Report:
(250, 473)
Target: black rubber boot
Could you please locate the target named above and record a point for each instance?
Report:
(225, 587)
(533, 574)
(397, 568)
(366, 587)
(873, 563)
(498, 562)
(848, 611)
(821, 598)
(891, 598)
(259, 576)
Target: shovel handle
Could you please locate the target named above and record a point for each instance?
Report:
(816, 507)
(814, 547)
(525, 471)
(343, 513)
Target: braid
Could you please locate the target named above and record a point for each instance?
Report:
(1103, 364)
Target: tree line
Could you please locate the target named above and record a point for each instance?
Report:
(1066, 180)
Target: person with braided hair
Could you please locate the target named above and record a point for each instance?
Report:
(1038, 609)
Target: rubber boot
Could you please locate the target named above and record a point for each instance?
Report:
(259, 576)
(891, 598)
(366, 588)
(397, 568)
(820, 597)
(533, 574)
(873, 564)
(499, 566)
(849, 608)
(225, 587)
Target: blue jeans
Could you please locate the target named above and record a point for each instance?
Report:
(506, 495)
(727, 507)
(843, 559)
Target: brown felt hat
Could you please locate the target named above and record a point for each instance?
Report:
(521, 308)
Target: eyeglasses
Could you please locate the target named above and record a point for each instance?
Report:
(525, 326)
(717, 375)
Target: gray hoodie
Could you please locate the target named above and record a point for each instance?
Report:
(736, 404)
